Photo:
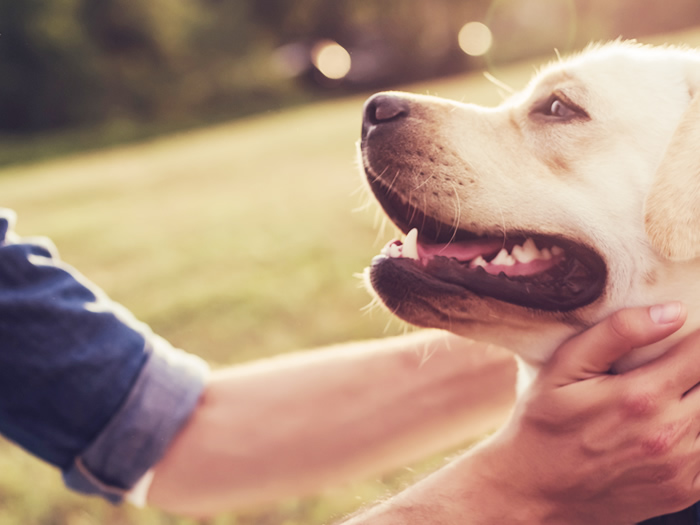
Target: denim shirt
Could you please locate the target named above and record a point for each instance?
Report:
(83, 384)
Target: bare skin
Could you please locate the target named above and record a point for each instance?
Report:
(296, 424)
(583, 446)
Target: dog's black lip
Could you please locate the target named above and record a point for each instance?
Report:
(577, 282)
(571, 285)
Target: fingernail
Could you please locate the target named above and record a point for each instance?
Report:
(665, 313)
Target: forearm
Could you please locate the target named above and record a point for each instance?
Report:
(475, 489)
(293, 425)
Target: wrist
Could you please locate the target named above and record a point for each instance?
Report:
(507, 487)
(503, 487)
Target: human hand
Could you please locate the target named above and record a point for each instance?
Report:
(585, 446)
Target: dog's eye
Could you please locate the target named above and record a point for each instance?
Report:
(557, 107)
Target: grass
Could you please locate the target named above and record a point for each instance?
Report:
(234, 242)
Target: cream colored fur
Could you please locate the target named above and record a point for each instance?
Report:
(626, 182)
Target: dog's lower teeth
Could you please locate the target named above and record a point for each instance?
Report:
(526, 253)
(503, 258)
(479, 262)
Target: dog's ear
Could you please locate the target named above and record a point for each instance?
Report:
(672, 208)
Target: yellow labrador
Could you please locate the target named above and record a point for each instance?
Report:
(529, 222)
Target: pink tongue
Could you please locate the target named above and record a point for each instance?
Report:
(463, 251)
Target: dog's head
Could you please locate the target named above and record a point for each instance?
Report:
(529, 222)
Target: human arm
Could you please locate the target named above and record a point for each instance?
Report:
(92, 391)
(583, 446)
(84, 386)
(296, 424)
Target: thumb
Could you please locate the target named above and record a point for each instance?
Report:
(594, 351)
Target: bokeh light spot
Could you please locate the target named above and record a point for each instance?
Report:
(475, 39)
(331, 59)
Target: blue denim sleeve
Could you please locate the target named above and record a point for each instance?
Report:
(83, 384)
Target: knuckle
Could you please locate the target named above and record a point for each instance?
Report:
(661, 442)
(639, 403)
(655, 445)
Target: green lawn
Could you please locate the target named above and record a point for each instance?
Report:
(234, 242)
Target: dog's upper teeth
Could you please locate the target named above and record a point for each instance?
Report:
(410, 245)
(557, 251)
(395, 251)
(503, 258)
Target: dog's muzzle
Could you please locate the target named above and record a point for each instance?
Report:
(524, 268)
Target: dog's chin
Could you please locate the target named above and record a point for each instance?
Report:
(419, 298)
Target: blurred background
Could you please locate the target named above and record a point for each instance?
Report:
(196, 159)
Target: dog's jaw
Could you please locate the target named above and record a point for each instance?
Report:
(531, 335)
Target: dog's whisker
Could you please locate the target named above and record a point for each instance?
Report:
(381, 229)
(425, 216)
(361, 190)
(362, 207)
(387, 326)
(449, 322)
(393, 181)
(363, 193)
(499, 83)
(380, 224)
(503, 220)
(374, 305)
(458, 215)
(427, 179)
(413, 213)
(378, 218)
(556, 52)
(427, 353)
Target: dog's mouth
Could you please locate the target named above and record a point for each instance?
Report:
(544, 272)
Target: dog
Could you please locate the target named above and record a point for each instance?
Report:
(529, 222)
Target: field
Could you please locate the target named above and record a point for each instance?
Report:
(234, 242)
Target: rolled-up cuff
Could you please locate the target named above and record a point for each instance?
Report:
(136, 438)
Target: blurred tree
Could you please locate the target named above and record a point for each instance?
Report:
(143, 48)
(46, 65)
(69, 63)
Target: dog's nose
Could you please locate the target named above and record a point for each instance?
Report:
(383, 108)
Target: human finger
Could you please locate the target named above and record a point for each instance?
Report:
(594, 351)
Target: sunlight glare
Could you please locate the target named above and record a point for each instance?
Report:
(475, 39)
(331, 59)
